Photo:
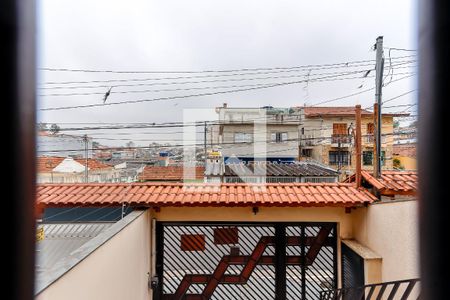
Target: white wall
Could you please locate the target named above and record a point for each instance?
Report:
(117, 270)
(390, 229)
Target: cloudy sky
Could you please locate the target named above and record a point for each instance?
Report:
(198, 35)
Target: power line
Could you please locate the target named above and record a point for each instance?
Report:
(201, 81)
(201, 144)
(201, 88)
(182, 96)
(197, 95)
(209, 71)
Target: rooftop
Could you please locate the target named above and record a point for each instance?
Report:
(392, 183)
(46, 164)
(177, 194)
(340, 111)
(169, 173)
(276, 170)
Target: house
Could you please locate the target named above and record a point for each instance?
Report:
(247, 134)
(56, 169)
(326, 136)
(172, 173)
(200, 240)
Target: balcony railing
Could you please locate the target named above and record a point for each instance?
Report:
(307, 140)
(401, 289)
(341, 138)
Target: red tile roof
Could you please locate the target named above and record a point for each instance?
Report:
(176, 194)
(46, 164)
(338, 111)
(169, 173)
(93, 164)
(392, 183)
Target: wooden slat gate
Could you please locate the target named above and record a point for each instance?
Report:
(245, 260)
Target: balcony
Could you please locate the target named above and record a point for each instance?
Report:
(341, 140)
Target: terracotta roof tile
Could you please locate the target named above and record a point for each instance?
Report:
(169, 173)
(177, 194)
(46, 164)
(392, 183)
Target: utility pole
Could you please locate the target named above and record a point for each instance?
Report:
(204, 137)
(358, 146)
(86, 174)
(377, 115)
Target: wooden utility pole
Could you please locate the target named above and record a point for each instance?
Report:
(358, 145)
(204, 137)
(377, 114)
(375, 142)
(86, 174)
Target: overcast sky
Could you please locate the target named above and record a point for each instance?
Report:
(196, 35)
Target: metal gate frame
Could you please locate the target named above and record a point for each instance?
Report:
(280, 246)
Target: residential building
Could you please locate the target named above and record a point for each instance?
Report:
(327, 136)
(56, 169)
(172, 173)
(239, 130)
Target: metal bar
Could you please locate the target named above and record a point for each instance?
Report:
(280, 261)
(303, 266)
(408, 290)
(394, 291)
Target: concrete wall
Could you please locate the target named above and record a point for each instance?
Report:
(390, 229)
(116, 270)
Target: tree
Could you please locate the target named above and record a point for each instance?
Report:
(130, 144)
(42, 126)
(396, 124)
(54, 129)
(95, 144)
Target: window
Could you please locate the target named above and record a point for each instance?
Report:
(339, 158)
(307, 152)
(368, 158)
(279, 137)
(240, 137)
(340, 128)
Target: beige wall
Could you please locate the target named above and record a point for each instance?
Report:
(265, 214)
(391, 230)
(317, 127)
(116, 270)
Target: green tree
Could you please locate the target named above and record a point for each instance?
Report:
(54, 129)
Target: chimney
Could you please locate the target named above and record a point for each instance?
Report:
(358, 146)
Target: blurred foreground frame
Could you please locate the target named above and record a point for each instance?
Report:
(18, 68)
(434, 105)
